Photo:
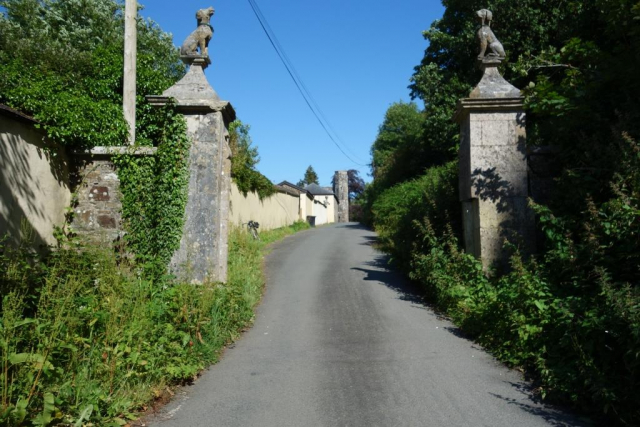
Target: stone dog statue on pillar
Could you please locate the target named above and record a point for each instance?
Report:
(487, 39)
(200, 37)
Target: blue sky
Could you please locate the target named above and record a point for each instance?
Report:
(355, 57)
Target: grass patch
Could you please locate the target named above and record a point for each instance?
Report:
(85, 338)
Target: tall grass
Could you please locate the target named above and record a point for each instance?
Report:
(85, 338)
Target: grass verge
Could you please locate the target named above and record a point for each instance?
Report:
(88, 340)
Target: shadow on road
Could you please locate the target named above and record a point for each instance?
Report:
(381, 273)
(354, 226)
(370, 240)
(554, 417)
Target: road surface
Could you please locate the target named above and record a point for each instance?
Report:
(342, 340)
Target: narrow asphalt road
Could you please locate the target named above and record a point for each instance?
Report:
(341, 340)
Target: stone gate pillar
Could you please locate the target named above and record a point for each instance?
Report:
(203, 249)
(341, 190)
(493, 183)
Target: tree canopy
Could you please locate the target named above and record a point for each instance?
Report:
(62, 62)
(244, 158)
(310, 177)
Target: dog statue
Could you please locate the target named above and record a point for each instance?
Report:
(201, 36)
(487, 39)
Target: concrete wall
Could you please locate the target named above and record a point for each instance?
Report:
(320, 211)
(332, 209)
(279, 210)
(308, 207)
(34, 182)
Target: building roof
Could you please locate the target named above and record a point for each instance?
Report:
(297, 188)
(316, 190)
(288, 184)
(287, 190)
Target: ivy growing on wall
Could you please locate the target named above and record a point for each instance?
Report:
(62, 63)
(154, 191)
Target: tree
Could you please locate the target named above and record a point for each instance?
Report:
(62, 62)
(393, 153)
(244, 158)
(310, 177)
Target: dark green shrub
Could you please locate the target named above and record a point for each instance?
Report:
(433, 196)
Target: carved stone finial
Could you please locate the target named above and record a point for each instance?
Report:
(491, 55)
(199, 38)
(488, 40)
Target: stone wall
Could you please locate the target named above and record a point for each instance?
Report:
(98, 210)
(34, 181)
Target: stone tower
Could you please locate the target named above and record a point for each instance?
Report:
(341, 190)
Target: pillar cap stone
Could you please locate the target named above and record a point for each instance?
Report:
(195, 106)
(467, 105)
(201, 60)
(492, 84)
(194, 85)
(193, 94)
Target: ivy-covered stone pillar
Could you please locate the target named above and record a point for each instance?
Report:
(203, 249)
(493, 181)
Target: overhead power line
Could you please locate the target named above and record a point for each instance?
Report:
(302, 88)
(297, 77)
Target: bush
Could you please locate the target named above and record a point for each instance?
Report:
(580, 340)
(433, 196)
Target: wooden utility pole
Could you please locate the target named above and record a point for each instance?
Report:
(130, 54)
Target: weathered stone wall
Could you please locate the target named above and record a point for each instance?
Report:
(98, 210)
(203, 251)
(203, 247)
(34, 181)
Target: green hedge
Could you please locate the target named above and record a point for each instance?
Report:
(395, 211)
